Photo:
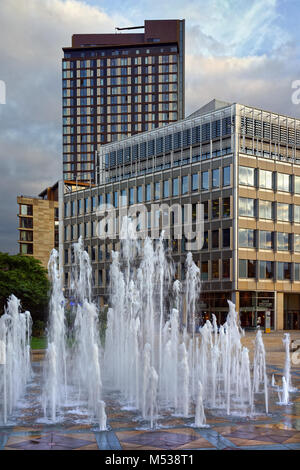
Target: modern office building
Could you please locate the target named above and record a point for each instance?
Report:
(117, 85)
(39, 224)
(243, 165)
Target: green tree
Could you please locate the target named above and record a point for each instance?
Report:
(26, 278)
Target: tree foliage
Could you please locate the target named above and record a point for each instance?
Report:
(26, 278)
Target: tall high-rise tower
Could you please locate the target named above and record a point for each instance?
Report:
(117, 85)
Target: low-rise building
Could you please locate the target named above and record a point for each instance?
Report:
(243, 165)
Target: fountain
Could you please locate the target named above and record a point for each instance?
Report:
(74, 362)
(15, 367)
(154, 354)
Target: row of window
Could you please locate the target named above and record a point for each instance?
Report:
(265, 179)
(252, 269)
(149, 192)
(214, 239)
(119, 62)
(269, 210)
(171, 142)
(267, 240)
(266, 130)
(213, 270)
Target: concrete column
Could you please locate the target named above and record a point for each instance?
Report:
(279, 311)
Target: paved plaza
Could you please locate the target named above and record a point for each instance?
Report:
(279, 430)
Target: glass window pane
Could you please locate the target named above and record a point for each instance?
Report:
(283, 182)
(296, 242)
(166, 188)
(226, 269)
(297, 184)
(226, 176)
(265, 179)
(140, 194)
(215, 269)
(297, 214)
(265, 209)
(243, 268)
(204, 181)
(215, 209)
(283, 212)
(195, 182)
(246, 238)
(184, 184)
(282, 241)
(215, 238)
(246, 176)
(216, 178)
(265, 240)
(175, 187)
(246, 207)
(226, 237)
(148, 192)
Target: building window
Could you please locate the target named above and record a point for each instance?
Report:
(26, 236)
(26, 222)
(195, 182)
(226, 268)
(157, 190)
(265, 240)
(297, 184)
(175, 187)
(226, 176)
(26, 248)
(246, 238)
(283, 212)
(115, 198)
(246, 207)
(297, 214)
(184, 184)
(296, 242)
(140, 194)
(66, 209)
(226, 237)
(246, 176)
(283, 182)
(215, 239)
(26, 209)
(204, 181)
(148, 192)
(216, 178)
(265, 209)
(282, 241)
(131, 196)
(266, 270)
(205, 241)
(215, 269)
(215, 209)
(297, 271)
(265, 179)
(247, 269)
(283, 271)
(100, 277)
(204, 270)
(226, 207)
(166, 188)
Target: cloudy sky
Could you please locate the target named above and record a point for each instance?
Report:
(236, 50)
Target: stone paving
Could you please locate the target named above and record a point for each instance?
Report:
(279, 430)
